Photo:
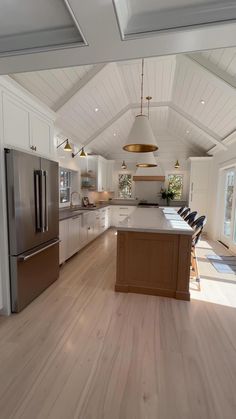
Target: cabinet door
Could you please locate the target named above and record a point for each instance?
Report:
(109, 171)
(40, 135)
(64, 242)
(74, 230)
(15, 123)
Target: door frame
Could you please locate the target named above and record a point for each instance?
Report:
(229, 241)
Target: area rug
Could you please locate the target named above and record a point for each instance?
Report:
(223, 264)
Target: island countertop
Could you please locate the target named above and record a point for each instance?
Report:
(155, 220)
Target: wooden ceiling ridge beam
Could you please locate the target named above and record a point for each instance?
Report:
(65, 100)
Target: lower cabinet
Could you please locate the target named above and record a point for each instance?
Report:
(119, 213)
(77, 231)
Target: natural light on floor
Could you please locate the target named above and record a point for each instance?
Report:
(215, 287)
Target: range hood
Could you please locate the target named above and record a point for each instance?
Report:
(155, 174)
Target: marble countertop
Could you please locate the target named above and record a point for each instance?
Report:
(155, 220)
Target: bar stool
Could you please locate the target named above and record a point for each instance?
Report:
(198, 228)
(190, 217)
(181, 210)
(186, 211)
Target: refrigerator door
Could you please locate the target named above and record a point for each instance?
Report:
(50, 199)
(32, 197)
(32, 272)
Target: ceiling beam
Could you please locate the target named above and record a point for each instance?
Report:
(229, 139)
(78, 86)
(98, 23)
(209, 134)
(219, 81)
(213, 69)
(172, 106)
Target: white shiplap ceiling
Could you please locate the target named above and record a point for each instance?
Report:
(183, 126)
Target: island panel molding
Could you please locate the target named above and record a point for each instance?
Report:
(153, 263)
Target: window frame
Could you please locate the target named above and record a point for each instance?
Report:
(69, 187)
(182, 189)
(131, 187)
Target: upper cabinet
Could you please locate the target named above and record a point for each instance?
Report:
(41, 138)
(15, 123)
(26, 124)
(96, 174)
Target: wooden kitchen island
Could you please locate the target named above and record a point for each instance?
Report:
(153, 253)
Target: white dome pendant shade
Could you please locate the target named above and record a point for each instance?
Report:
(141, 138)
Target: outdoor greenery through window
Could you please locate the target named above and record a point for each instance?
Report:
(176, 185)
(125, 185)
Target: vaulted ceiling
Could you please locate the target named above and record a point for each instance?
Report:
(192, 110)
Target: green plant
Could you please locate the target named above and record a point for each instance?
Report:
(167, 194)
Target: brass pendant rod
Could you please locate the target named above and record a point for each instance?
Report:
(141, 110)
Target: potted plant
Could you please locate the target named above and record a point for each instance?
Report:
(167, 194)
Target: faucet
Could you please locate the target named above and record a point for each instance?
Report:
(71, 198)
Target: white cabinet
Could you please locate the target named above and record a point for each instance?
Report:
(40, 135)
(74, 234)
(15, 123)
(119, 213)
(25, 127)
(101, 174)
(96, 173)
(199, 184)
(64, 240)
(110, 171)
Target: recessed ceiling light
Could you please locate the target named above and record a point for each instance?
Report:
(203, 102)
(96, 110)
(187, 132)
(114, 133)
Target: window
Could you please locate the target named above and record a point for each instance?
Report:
(125, 186)
(175, 183)
(65, 185)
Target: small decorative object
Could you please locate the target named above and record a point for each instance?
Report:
(167, 194)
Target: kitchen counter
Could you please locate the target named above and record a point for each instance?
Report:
(67, 212)
(153, 253)
(155, 220)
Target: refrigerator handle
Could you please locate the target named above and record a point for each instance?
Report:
(42, 200)
(46, 200)
(23, 257)
(37, 187)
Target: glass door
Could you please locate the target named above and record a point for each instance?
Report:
(228, 228)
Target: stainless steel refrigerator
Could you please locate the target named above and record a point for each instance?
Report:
(33, 225)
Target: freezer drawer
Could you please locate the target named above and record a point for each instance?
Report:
(32, 272)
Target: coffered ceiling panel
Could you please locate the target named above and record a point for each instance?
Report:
(138, 17)
(30, 25)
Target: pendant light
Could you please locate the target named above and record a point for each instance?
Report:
(177, 165)
(67, 146)
(146, 160)
(123, 166)
(141, 138)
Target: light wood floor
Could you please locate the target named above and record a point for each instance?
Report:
(83, 351)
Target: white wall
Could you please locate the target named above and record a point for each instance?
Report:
(150, 191)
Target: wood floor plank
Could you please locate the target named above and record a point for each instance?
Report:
(83, 351)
